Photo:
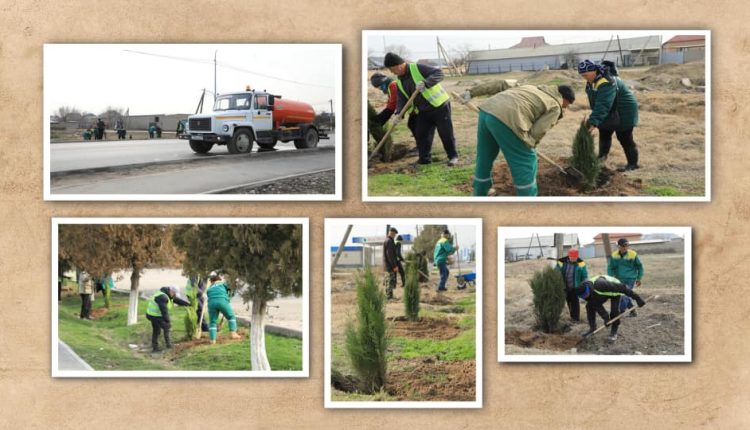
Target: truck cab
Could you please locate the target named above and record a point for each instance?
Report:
(241, 119)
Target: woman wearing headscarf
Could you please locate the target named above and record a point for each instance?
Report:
(614, 109)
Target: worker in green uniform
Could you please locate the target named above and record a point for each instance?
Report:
(443, 248)
(573, 271)
(625, 265)
(515, 121)
(218, 303)
(159, 306)
(596, 291)
(614, 110)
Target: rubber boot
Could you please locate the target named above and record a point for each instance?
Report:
(168, 339)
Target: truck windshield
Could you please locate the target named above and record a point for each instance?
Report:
(233, 102)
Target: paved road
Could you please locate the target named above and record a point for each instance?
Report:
(97, 154)
(67, 359)
(208, 176)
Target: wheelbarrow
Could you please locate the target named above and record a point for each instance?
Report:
(464, 280)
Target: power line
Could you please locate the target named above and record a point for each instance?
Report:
(227, 66)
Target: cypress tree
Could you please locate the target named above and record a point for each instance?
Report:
(367, 342)
(548, 287)
(411, 289)
(191, 314)
(584, 156)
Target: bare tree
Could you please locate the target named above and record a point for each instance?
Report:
(64, 112)
(459, 55)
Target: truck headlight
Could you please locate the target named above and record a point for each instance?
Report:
(225, 128)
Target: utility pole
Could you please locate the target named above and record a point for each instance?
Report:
(607, 246)
(341, 247)
(215, 74)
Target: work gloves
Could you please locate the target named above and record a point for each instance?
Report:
(421, 86)
(638, 283)
(640, 302)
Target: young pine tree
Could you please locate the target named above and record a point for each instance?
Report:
(411, 289)
(548, 287)
(367, 341)
(584, 156)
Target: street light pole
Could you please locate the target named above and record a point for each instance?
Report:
(215, 74)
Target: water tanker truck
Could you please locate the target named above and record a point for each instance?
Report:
(241, 119)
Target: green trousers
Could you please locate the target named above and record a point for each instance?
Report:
(492, 137)
(215, 307)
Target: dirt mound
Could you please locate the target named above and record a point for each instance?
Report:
(425, 328)
(553, 183)
(436, 299)
(668, 76)
(430, 380)
(535, 339)
(192, 343)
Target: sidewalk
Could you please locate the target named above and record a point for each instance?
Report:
(67, 359)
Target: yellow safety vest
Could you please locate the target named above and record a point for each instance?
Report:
(153, 307)
(434, 95)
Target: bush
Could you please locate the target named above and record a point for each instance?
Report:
(411, 291)
(367, 342)
(548, 287)
(585, 157)
(377, 132)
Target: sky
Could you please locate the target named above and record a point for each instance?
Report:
(422, 44)
(585, 234)
(466, 233)
(170, 78)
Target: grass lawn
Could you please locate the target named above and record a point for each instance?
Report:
(104, 342)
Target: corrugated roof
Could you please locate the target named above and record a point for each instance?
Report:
(631, 44)
(686, 38)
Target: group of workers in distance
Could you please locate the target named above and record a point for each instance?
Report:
(218, 295)
(624, 273)
(393, 259)
(513, 121)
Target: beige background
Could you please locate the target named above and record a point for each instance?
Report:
(712, 391)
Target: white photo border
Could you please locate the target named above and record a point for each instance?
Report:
(304, 373)
(338, 146)
(329, 240)
(538, 199)
(686, 357)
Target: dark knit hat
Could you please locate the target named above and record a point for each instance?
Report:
(393, 230)
(392, 59)
(623, 242)
(567, 92)
(378, 79)
(446, 231)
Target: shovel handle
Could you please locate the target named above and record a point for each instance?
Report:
(390, 129)
(627, 311)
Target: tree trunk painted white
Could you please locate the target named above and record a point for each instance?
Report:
(258, 358)
(135, 279)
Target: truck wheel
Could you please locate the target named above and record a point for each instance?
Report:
(200, 147)
(267, 145)
(241, 143)
(310, 140)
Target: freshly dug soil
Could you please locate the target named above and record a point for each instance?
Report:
(425, 328)
(536, 339)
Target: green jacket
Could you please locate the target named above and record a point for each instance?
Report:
(626, 268)
(601, 95)
(530, 111)
(218, 291)
(443, 248)
(580, 272)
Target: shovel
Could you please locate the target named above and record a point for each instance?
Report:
(390, 129)
(572, 175)
(609, 323)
